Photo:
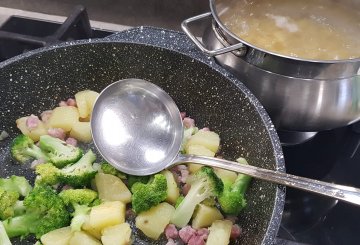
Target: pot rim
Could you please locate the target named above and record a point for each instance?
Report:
(230, 33)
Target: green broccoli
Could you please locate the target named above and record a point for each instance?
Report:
(16, 184)
(150, 194)
(204, 184)
(132, 179)
(24, 149)
(81, 200)
(4, 239)
(59, 152)
(232, 199)
(45, 211)
(8, 201)
(106, 168)
(78, 174)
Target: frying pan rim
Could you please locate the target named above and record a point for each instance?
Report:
(274, 222)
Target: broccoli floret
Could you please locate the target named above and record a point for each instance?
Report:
(204, 184)
(45, 211)
(132, 179)
(150, 194)
(24, 149)
(59, 152)
(16, 184)
(81, 201)
(78, 174)
(4, 239)
(106, 168)
(8, 200)
(232, 199)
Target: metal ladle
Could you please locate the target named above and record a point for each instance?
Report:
(137, 128)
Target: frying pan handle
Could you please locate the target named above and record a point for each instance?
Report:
(239, 48)
(340, 192)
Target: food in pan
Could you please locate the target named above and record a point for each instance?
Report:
(78, 199)
(310, 29)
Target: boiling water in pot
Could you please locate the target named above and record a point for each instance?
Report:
(309, 29)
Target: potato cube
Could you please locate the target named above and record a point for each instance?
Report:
(85, 101)
(81, 131)
(205, 216)
(107, 214)
(82, 238)
(209, 139)
(226, 174)
(35, 133)
(111, 188)
(116, 235)
(220, 232)
(89, 229)
(64, 117)
(57, 237)
(198, 150)
(173, 191)
(153, 222)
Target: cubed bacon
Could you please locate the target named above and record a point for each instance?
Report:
(71, 141)
(205, 129)
(57, 133)
(189, 122)
(185, 189)
(171, 242)
(184, 174)
(235, 232)
(32, 122)
(196, 240)
(203, 233)
(71, 102)
(171, 232)
(183, 115)
(186, 233)
(63, 103)
(45, 115)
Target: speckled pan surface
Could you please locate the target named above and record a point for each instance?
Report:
(38, 80)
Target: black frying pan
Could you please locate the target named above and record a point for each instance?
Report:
(38, 80)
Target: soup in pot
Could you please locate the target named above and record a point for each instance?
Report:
(308, 29)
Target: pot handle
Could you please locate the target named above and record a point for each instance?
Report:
(200, 45)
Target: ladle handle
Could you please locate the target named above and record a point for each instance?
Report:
(341, 192)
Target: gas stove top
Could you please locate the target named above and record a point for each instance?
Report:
(331, 156)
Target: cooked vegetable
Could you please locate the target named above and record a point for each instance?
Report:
(117, 235)
(150, 194)
(45, 211)
(204, 184)
(32, 133)
(59, 152)
(106, 168)
(173, 191)
(64, 117)
(81, 201)
(4, 239)
(132, 179)
(204, 216)
(16, 184)
(85, 101)
(81, 238)
(78, 174)
(91, 230)
(59, 236)
(9, 204)
(81, 131)
(111, 188)
(24, 149)
(232, 199)
(107, 214)
(208, 139)
(198, 150)
(220, 232)
(153, 221)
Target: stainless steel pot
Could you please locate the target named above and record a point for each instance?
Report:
(299, 94)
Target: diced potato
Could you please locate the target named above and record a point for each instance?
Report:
(209, 139)
(85, 101)
(81, 131)
(64, 117)
(34, 134)
(111, 188)
(89, 229)
(82, 238)
(116, 235)
(220, 232)
(226, 174)
(198, 150)
(153, 222)
(173, 191)
(107, 214)
(205, 216)
(57, 237)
